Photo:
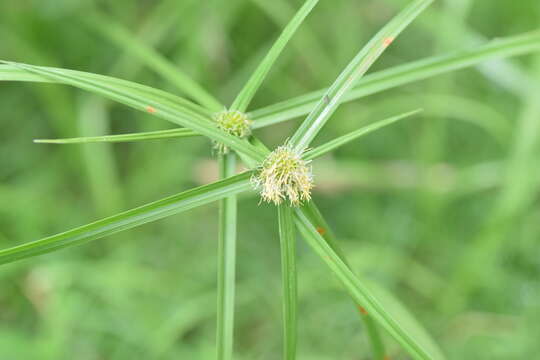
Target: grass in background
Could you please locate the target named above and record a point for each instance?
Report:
(340, 217)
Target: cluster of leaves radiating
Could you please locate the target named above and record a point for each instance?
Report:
(282, 174)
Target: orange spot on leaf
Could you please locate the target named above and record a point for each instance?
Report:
(388, 41)
(386, 358)
(321, 230)
(362, 310)
(151, 109)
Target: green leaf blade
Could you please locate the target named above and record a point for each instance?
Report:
(142, 136)
(311, 211)
(401, 75)
(407, 320)
(353, 135)
(126, 220)
(184, 116)
(328, 104)
(11, 72)
(247, 93)
(357, 289)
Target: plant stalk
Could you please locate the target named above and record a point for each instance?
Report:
(226, 263)
(289, 280)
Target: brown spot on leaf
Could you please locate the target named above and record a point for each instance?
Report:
(362, 310)
(388, 41)
(321, 230)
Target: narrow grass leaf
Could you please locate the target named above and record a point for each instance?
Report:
(308, 46)
(289, 280)
(246, 94)
(353, 135)
(154, 60)
(406, 320)
(401, 75)
(142, 136)
(11, 72)
(129, 219)
(356, 68)
(226, 263)
(302, 105)
(315, 217)
(357, 289)
(180, 133)
(184, 117)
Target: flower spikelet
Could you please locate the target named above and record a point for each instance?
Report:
(284, 175)
(233, 122)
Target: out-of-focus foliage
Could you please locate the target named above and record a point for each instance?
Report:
(436, 208)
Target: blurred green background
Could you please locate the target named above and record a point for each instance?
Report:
(441, 209)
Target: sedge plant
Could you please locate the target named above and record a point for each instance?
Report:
(283, 177)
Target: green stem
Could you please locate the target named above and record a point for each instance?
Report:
(316, 218)
(226, 264)
(289, 280)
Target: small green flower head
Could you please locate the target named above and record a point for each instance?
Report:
(233, 122)
(284, 175)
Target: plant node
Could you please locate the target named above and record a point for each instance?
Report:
(284, 175)
(233, 122)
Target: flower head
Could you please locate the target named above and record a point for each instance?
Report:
(284, 175)
(233, 122)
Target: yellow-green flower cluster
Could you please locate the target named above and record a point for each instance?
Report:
(233, 122)
(284, 175)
